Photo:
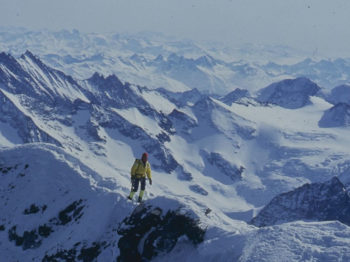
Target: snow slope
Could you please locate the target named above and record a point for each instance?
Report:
(74, 212)
(48, 209)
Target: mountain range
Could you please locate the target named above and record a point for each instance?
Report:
(221, 162)
(158, 61)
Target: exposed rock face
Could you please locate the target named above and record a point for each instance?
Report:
(337, 116)
(234, 96)
(147, 233)
(182, 98)
(315, 202)
(231, 171)
(27, 130)
(52, 95)
(339, 94)
(290, 93)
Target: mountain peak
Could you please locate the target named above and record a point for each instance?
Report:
(4, 55)
(316, 202)
(138, 58)
(99, 80)
(340, 94)
(159, 58)
(192, 92)
(289, 93)
(234, 96)
(114, 80)
(96, 76)
(335, 183)
(206, 61)
(337, 116)
(7, 59)
(29, 56)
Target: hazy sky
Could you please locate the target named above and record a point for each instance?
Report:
(311, 25)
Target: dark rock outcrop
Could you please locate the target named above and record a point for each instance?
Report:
(234, 96)
(148, 233)
(339, 94)
(337, 116)
(290, 93)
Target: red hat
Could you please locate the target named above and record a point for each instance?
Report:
(145, 156)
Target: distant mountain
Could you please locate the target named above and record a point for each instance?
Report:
(290, 93)
(337, 116)
(29, 75)
(234, 96)
(339, 94)
(189, 97)
(155, 60)
(311, 202)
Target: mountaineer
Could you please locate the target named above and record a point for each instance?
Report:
(139, 170)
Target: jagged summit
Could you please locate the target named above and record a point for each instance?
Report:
(290, 93)
(29, 54)
(106, 82)
(96, 77)
(6, 57)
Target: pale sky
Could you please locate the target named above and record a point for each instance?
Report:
(322, 25)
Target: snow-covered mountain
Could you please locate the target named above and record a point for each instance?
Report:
(67, 145)
(339, 94)
(234, 96)
(290, 93)
(337, 116)
(156, 61)
(312, 202)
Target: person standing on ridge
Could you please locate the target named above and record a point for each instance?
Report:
(139, 170)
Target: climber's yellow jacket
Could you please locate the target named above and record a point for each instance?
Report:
(139, 169)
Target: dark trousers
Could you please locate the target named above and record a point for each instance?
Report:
(135, 183)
